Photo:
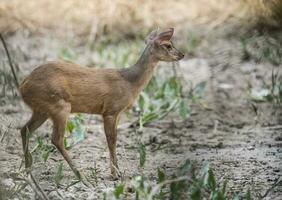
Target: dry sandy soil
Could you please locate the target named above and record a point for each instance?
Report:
(222, 129)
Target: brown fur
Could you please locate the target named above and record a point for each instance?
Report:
(94, 91)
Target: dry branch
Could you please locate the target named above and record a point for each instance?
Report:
(10, 61)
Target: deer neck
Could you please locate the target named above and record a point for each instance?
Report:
(141, 73)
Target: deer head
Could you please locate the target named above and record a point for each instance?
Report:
(161, 46)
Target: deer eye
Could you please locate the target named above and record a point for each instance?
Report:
(168, 46)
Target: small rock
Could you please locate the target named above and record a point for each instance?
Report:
(153, 139)
(251, 148)
(276, 170)
(263, 162)
(219, 145)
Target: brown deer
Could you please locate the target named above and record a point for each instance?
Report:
(56, 89)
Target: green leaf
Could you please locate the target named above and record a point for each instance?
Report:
(183, 110)
(45, 155)
(196, 193)
(224, 187)
(59, 174)
(69, 126)
(160, 98)
(210, 180)
(185, 168)
(141, 102)
(248, 195)
(77, 133)
(67, 54)
(40, 142)
(118, 190)
(177, 190)
(217, 195)
(199, 89)
(236, 197)
(142, 154)
(205, 169)
(161, 176)
(67, 146)
(149, 117)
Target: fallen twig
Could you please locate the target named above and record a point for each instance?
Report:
(32, 183)
(276, 183)
(45, 197)
(274, 127)
(2, 137)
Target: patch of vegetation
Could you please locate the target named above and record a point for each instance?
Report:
(186, 183)
(59, 174)
(189, 43)
(43, 149)
(262, 48)
(142, 155)
(75, 130)
(270, 92)
(75, 133)
(117, 54)
(18, 191)
(67, 54)
(159, 98)
(197, 91)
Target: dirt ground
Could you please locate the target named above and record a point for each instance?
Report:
(223, 130)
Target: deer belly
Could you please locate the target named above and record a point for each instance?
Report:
(89, 107)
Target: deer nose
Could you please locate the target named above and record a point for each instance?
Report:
(181, 55)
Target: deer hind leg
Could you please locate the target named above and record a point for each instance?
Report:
(110, 125)
(35, 122)
(59, 118)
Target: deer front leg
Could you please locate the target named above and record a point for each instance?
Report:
(110, 125)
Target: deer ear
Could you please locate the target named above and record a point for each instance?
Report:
(151, 37)
(165, 36)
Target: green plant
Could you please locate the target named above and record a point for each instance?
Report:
(67, 54)
(192, 41)
(117, 54)
(159, 98)
(94, 173)
(270, 92)
(76, 131)
(197, 91)
(186, 183)
(275, 94)
(59, 174)
(142, 155)
(43, 149)
(115, 193)
(262, 47)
